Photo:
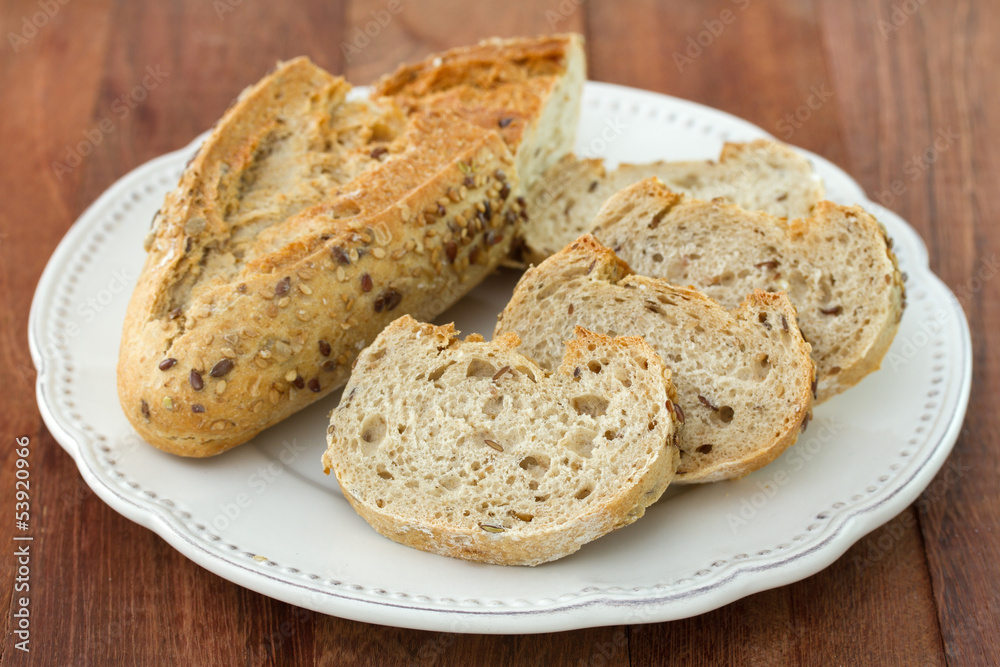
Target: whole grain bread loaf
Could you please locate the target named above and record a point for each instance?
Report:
(836, 266)
(744, 379)
(306, 223)
(760, 175)
(469, 449)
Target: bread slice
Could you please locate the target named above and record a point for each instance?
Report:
(836, 266)
(761, 175)
(527, 88)
(743, 378)
(469, 449)
(304, 225)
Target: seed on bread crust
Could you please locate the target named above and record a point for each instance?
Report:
(144, 408)
(281, 289)
(195, 379)
(324, 348)
(167, 363)
(197, 408)
(366, 283)
(314, 385)
(490, 528)
(496, 376)
(221, 368)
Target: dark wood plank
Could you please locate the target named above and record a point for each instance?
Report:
(928, 69)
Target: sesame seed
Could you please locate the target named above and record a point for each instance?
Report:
(284, 301)
(290, 376)
(378, 253)
(305, 289)
(220, 387)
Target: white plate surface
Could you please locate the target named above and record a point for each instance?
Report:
(264, 516)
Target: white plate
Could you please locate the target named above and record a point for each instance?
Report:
(264, 516)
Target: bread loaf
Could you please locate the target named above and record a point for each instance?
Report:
(469, 449)
(836, 266)
(758, 176)
(743, 378)
(304, 225)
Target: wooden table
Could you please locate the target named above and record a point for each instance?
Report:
(869, 85)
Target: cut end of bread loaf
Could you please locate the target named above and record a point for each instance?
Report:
(743, 378)
(528, 88)
(469, 449)
(837, 267)
(760, 175)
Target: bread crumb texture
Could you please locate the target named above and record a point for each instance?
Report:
(470, 449)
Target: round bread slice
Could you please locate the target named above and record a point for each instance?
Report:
(469, 449)
(837, 267)
(744, 378)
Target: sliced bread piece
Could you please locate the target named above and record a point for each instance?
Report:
(836, 266)
(469, 449)
(760, 175)
(743, 378)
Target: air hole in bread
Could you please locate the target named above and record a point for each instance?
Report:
(726, 414)
(383, 473)
(372, 433)
(610, 435)
(449, 482)
(657, 257)
(590, 404)
(401, 428)
(582, 493)
(594, 366)
(834, 370)
(479, 368)
(653, 308)
(536, 466)
(436, 374)
(527, 371)
(763, 366)
(705, 449)
(580, 441)
(493, 406)
(380, 503)
(522, 516)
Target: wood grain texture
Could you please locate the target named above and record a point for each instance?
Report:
(921, 590)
